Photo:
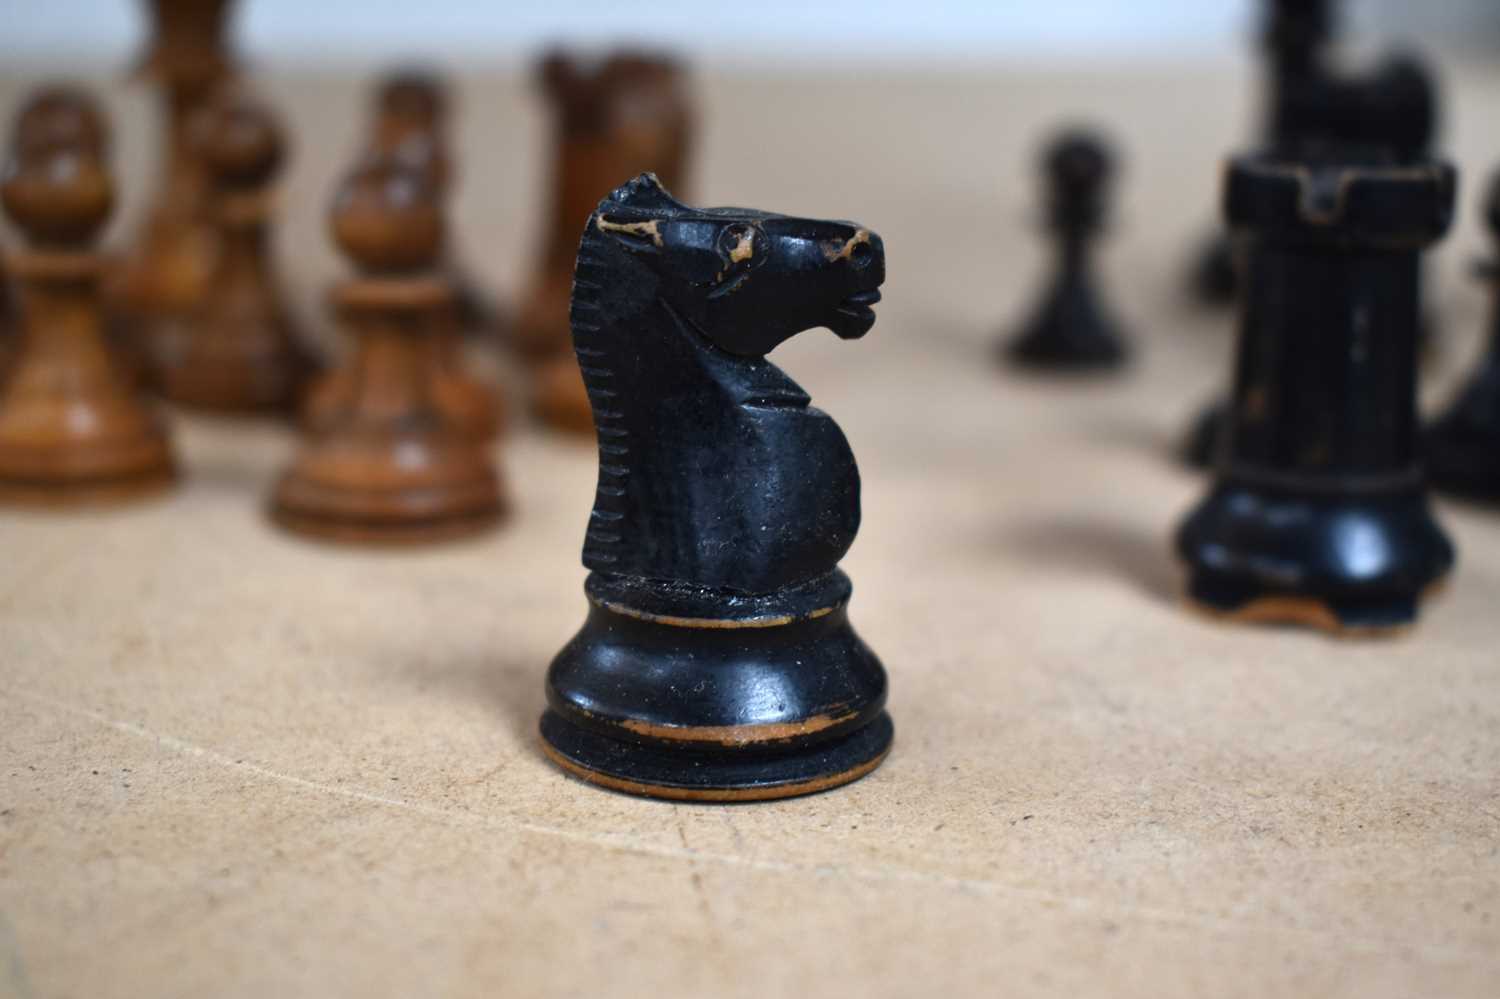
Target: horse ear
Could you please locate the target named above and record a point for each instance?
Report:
(644, 194)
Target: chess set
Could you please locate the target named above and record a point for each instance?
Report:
(717, 660)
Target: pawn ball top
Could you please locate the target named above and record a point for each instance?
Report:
(386, 217)
(1078, 161)
(415, 95)
(61, 116)
(59, 197)
(241, 142)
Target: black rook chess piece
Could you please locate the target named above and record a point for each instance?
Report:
(1319, 515)
(1463, 445)
(717, 661)
(1071, 330)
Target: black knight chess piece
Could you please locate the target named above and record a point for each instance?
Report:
(1071, 329)
(1463, 445)
(717, 661)
(1319, 516)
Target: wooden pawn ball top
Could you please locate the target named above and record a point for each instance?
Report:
(417, 97)
(241, 143)
(59, 198)
(387, 219)
(61, 116)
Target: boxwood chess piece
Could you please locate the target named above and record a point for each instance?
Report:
(1463, 445)
(1319, 515)
(1071, 330)
(612, 118)
(73, 427)
(239, 350)
(717, 661)
(391, 465)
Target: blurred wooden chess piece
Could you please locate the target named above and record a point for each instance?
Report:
(409, 109)
(1071, 330)
(169, 268)
(1463, 444)
(1319, 514)
(73, 427)
(58, 115)
(238, 350)
(391, 466)
(625, 115)
(413, 109)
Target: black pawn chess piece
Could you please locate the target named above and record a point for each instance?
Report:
(717, 661)
(1463, 445)
(1071, 330)
(1319, 515)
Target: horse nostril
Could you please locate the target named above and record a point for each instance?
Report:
(861, 254)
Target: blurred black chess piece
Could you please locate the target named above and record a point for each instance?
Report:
(717, 661)
(1315, 113)
(1312, 106)
(1071, 330)
(1463, 444)
(1319, 514)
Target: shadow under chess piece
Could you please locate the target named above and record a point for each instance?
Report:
(391, 467)
(1071, 330)
(73, 427)
(1319, 516)
(717, 661)
(238, 351)
(470, 404)
(1463, 444)
(612, 118)
(170, 267)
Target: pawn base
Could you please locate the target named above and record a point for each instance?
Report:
(1463, 447)
(1069, 334)
(72, 493)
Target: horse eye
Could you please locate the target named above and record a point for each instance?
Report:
(738, 243)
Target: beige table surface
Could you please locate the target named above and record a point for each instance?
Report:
(233, 763)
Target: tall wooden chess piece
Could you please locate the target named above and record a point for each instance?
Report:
(717, 661)
(72, 426)
(410, 110)
(1319, 516)
(169, 269)
(1463, 445)
(627, 114)
(1071, 330)
(391, 467)
(238, 350)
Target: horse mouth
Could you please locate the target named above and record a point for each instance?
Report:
(858, 305)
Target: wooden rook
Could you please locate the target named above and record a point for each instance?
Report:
(717, 661)
(239, 350)
(1319, 515)
(73, 427)
(392, 466)
(169, 269)
(1463, 445)
(410, 111)
(1071, 330)
(625, 115)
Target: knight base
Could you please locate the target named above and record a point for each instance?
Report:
(680, 693)
(1346, 565)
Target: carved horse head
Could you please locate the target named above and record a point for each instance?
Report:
(745, 279)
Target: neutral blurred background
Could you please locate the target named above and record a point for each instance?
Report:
(827, 32)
